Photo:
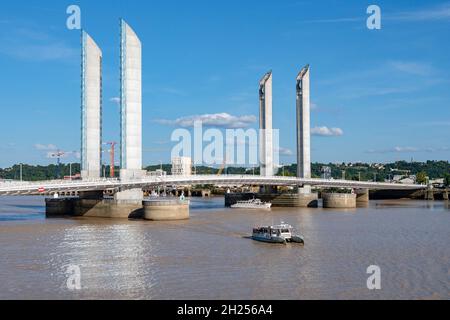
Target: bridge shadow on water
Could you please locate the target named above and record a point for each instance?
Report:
(14, 209)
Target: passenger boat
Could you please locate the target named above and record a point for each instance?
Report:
(252, 204)
(283, 233)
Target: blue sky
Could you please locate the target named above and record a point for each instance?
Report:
(378, 95)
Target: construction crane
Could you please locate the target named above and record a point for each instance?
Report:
(112, 155)
(222, 168)
(58, 155)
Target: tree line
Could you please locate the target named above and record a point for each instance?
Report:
(354, 171)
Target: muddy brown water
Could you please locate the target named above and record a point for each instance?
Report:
(211, 257)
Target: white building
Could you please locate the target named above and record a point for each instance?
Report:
(182, 166)
(157, 173)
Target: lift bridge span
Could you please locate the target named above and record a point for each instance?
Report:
(58, 186)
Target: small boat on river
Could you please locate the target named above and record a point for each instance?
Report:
(282, 234)
(252, 204)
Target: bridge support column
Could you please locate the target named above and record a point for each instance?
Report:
(166, 210)
(267, 190)
(362, 196)
(59, 207)
(445, 195)
(206, 193)
(126, 204)
(299, 200)
(429, 194)
(339, 200)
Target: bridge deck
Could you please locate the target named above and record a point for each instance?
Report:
(33, 188)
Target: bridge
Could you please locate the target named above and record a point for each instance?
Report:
(128, 188)
(57, 186)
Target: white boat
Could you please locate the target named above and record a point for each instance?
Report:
(283, 233)
(252, 204)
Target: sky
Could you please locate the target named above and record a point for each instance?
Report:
(377, 95)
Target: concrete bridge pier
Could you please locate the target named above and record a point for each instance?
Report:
(206, 193)
(166, 210)
(267, 189)
(445, 195)
(126, 204)
(429, 194)
(306, 198)
(362, 196)
(339, 200)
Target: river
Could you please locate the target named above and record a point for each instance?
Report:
(209, 256)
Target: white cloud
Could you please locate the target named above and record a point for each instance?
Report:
(28, 44)
(336, 20)
(440, 12)
(285, 152)
(39, 52)
(414, 68)
(436, 13)
(45, 147)
(327, 132)
(221, 120)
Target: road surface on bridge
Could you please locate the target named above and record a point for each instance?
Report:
(55, 186)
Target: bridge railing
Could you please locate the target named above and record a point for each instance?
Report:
(7, 187)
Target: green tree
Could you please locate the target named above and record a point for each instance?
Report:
(421, 177)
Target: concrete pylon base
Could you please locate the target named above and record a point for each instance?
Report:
(339, 200)
(445, 195)
(429, 195)
(166, 210)
(93, 208)
(300, 200)
(362, 196)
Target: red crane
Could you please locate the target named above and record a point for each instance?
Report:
(112, 172)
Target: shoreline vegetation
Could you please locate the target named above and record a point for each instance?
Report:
(350, 171)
